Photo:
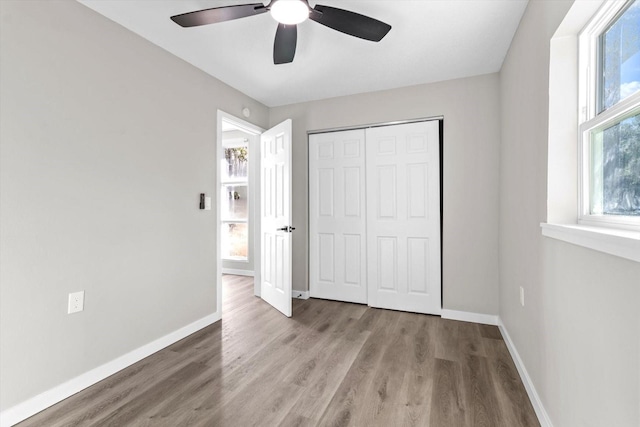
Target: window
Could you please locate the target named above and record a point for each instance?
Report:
(609, 128)
(597, 39)
(234, 200)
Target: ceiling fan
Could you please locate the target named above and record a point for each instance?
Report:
(289, 13)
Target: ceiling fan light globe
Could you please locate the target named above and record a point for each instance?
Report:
(289, 12)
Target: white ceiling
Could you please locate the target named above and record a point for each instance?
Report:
(430, 40)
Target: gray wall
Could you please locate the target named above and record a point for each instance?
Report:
(106, 142)
(579, 332)
(471, 113)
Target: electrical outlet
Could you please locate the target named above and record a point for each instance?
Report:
(76, 302)
(521, 296)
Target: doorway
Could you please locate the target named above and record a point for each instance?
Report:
(253, 208)
(237, 180)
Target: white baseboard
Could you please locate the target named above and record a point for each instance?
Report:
(32, 406)
(543, 416)
(300, 294)
(237, 272)
(466, 316)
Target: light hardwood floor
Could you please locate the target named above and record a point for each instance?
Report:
(331, 364)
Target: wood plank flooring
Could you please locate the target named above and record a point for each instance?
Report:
(331, 364)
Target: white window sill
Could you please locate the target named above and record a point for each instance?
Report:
(622, 243)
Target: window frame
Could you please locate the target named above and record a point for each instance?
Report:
(590, 64)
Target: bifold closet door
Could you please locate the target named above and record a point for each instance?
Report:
(337, 221)
(403, 217)
(374, 216)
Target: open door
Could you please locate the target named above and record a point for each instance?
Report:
(275, 212)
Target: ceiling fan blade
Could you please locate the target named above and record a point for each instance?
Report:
(218, 14)
(284, 46)
(350, 23)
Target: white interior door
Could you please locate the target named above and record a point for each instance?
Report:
(337, 216)
(403, 217)
(275, 208)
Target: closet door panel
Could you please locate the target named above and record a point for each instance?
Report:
(403, 217)
(337, 221)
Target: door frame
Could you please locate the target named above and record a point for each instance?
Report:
(255, 132)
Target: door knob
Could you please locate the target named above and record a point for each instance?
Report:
(286, 229)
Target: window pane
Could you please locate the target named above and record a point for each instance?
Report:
(235, 163)
(234, 202)
(620, 58)
(235, 241)
(615, 169)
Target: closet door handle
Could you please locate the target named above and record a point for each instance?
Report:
(286, 229)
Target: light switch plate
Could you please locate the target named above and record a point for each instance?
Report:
(207, 203)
